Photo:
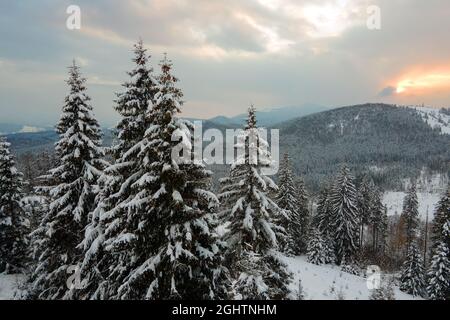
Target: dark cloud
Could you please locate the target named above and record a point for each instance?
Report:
(388, 91)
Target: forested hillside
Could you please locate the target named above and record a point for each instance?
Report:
(391, 142)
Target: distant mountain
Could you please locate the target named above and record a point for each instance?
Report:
(272, 116)
(8, 128)
(389, 142)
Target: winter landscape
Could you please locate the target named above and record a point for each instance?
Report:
(151, 183)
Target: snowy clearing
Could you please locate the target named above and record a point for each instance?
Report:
(393, 200)
(434, 118)
(328, 282)
(8, 285)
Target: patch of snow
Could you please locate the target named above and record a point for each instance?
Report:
(434, 118)
(9, 284)
(393, 200)
(327, 282)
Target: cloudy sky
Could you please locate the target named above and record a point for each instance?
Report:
(227, 53)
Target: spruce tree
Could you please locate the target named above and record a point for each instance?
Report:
(345, 216)
(71, 188)
(300, 230)
(13, 229)
(439, 272)
(412, 273)
(378, 220)
(316, 247)
(410, 215)
(323, 221)
(107, 242)
(253, 233)
(364, 206)
(170, 218)
(292, 197)
(441, 217)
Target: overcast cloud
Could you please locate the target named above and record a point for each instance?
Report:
(227, 53)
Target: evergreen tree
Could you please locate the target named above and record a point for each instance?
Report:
(323, 217)
(345, 216)
(301, 227)
(441, 217)
(71, 188)
(323, 222)
(253, 236)
(410, 215)
(107, 242)
(412, 273)
(13, 228)
(378, 220)
(292, 197)
(316, 247)
(364, 206)
(170, 218)
(439, 272)
(287, 200)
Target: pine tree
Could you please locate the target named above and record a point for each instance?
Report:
(287, 200)
(253, 236)
(439, 272)
(364, 206)
(441, 217)
(316, 247)
(71, 188)
(13, 230)
(301, 227)
(292, 197)
(410, 215)
(170, 218)
(107, 242)
(323, 217)
(345, 216)
(378, 220)
(412, 273)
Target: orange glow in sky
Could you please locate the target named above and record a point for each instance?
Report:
(423, 81)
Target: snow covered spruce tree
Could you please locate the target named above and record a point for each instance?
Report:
(364, 205)
(13, 229)
(170, 217)
(106, 254)
(323, 221)
(300, 232)
(378, 221)
(344, 210)
(412, 273)
(292, 197)
(316, 247)
(439, 272)
(410, 216)
(253, 235)
(441, 217)
(71, 188)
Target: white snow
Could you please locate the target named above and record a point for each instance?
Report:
(9, 284)
(434, 118)
(327, 282)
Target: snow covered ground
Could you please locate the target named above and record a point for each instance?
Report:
(325, 282)
(393, 200)
(328, 282)
(8, 285)
(434, 118)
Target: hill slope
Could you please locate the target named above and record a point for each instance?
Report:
(392, 142)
